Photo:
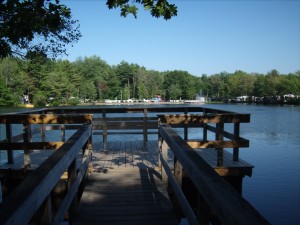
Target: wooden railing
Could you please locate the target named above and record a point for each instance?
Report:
(212, 122)
(138, 120)
(43, 123)
(221, 198)
(32, 198)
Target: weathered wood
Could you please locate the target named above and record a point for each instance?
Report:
(127, 154)
(9, 137)
(27, 139)
(218, 144)
(125, 125)
(230, 167)
(224, 201)
(226, 134)
(220, 137)
(73, 189)
(72, 174)
(127, 196)
(30, 194)
(135, 155)
(118, 119)
(30, 145)
(178, 172)
(45, 118)
(236, 134)
(164, 155)
(188, 212)
(63, 133)
(207, 118)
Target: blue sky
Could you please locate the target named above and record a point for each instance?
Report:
(206, 37)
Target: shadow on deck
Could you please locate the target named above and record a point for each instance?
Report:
(125, 196)
(124, 187)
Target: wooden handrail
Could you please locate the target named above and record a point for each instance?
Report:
(45, 118)
(222, 198)
(204, 118)
(206, 122)
(168, 178)
(25, 200)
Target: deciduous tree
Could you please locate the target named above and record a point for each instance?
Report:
(47, 26)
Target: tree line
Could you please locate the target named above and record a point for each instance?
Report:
(90, 79)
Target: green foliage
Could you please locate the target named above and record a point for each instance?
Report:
(73, 101)
(180, 84)
(157, 8)
(92, 79)
(7, 97)
(36, 26)
(39, 99)
(46, 26)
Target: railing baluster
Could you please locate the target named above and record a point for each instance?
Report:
(71, 180)
(63, 132)
(104, 121)
(164, 153)
(10, 154)
(145, 130)
(220, 137)
(27, 138)
(236, 136)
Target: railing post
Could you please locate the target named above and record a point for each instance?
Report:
(164, 152)
(236, 136)
(88, 147)
(63, 132)
(160, 140)
(71, 180)
(186, 126)
(145, 130)
(204, 131)
(0, 192)
(104, 133)
(220, 137)
(43, 132)
(44, 214)
(178, 172)
(204, 128)
(203, 210)
(10, 153)
(26, 138)
(43, 129)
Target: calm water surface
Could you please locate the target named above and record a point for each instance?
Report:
(274, 134)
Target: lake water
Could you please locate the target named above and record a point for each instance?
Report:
(274, 134)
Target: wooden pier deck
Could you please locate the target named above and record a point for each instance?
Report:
(131, 181)
(125, 196)
(124, 187)
(129, 154)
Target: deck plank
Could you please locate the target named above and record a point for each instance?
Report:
(125, 196)
(131, 154)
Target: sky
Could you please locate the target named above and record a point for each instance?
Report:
(206, 37)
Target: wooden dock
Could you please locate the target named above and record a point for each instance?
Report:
(121, 154)
(124, 187)
(125, 196)
(133, 181)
